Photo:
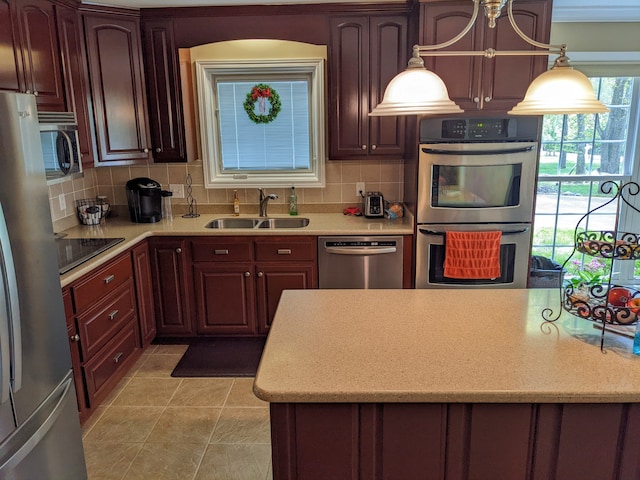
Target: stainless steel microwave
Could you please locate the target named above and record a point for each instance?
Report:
(59, 138)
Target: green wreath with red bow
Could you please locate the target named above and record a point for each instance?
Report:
(260, 93)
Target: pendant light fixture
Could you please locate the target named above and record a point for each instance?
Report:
(561, 90)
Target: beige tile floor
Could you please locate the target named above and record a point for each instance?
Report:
(157, 427)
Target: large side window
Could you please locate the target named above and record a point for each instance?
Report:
(578, 154)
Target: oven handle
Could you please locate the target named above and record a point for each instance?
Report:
(504, 232)
(510, 151)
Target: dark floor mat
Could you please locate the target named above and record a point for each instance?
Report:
(221, 357)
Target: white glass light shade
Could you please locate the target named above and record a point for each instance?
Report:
(561, 90)
(416, 91)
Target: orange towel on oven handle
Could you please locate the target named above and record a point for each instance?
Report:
(472, 255)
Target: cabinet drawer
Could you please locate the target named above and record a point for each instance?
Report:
(222, 250)
(111, 360)
(99, 284)
(279, 249)
(97, 325)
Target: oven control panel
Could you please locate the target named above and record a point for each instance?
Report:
(478, 129)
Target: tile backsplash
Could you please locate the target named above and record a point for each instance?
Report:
(385, 176)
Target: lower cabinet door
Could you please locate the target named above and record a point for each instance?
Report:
(171, 290)
(144, 292)
(225, 298)
(272, 280)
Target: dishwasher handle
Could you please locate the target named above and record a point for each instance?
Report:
(360, 251)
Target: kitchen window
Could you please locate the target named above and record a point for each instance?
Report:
(578, 153)
(262, 122)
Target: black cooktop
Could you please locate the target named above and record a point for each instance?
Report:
(74, 251)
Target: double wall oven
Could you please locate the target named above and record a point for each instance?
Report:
(476, 175)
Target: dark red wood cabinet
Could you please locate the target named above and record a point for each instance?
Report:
(144, 292)
(10, 51)
(37, 52)
(76, 79)
(478, 83)
(238, 280)
(163, 86)
(170, 261)
(366, 52)
(117, 87)
(103, 328)
(456, 441)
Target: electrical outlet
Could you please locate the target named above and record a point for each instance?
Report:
(177, 189)
(360, 188)
(63, 202)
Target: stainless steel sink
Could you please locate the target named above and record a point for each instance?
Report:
(223, 223)
(284, 222)
(234, 223)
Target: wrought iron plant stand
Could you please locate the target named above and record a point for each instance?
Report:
(593, 302)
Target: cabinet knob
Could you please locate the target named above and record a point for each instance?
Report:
(116, 359)
(28, 91)
(75, 338)
(35, 92)
(247, 274)
(487, 99)
(363, 147)
(260, 274)
(158, 150)
(178, 250)
(373, 147)
(476, 99)
(145, 150)
(113, 314)
(109, 279)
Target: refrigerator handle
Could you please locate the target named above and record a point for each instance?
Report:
(34, 430)
(10, 334)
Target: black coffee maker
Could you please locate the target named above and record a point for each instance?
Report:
(145, 200)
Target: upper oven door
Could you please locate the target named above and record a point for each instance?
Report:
(476, 182)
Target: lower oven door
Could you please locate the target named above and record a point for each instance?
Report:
(515, 246)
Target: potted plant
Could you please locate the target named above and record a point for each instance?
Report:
(585, 278)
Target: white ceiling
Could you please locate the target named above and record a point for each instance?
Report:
(563, 10)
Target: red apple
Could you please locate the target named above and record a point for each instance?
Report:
(618, 296)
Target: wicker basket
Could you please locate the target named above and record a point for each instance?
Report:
(91, 211)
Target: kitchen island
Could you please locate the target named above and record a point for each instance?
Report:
(455, 384)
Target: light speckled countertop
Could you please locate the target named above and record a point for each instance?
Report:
(319, 224)
(483, 345)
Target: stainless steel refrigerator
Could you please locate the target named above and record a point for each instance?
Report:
(40, 436)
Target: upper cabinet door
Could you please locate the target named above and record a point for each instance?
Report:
(163, 83)
(74, 70)
(39, 53)
(117, 87)
(388, 57)
(349, 90)
(505, 79)
(478, 83)
(366, 53)
(9, 52)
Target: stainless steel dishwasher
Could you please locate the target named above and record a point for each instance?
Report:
(360, 262)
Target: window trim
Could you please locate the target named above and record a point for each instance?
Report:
(624, 271)
(206, 73)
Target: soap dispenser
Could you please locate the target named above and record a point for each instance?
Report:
(236, 203)
(293, 202)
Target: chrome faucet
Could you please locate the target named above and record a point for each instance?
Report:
(264, 201)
